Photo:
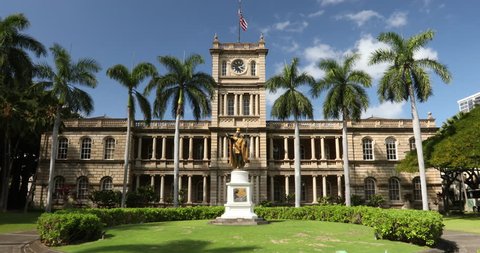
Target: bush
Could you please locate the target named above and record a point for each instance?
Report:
(141, 197)
(376, 201)
(67, 228)
(107, 199)
(357, 200)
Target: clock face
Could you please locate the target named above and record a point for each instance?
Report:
(238, 66)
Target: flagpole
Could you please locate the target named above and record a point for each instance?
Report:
(238, 13)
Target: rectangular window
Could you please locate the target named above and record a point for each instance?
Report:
(62, 148)
(86, 148)
(391, 150)
(224, 68)
(394, 189)
(246, 105)
(367, 150)
(230, 105)
(109, 148)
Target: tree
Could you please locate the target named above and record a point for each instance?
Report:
(346, 99)
(16, 71)
(131, 80)
(407, 79)
(62, 83)
(181, 83)
(292, 103)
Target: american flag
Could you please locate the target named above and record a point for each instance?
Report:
(243, 22)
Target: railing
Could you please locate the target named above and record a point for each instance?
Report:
(189, 124)
(370, 123)
(239, 45)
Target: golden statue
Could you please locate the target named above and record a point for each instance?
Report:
(238, 150)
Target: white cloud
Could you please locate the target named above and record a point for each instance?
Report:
(316, 14)
(360, 18)
(426, 53)
(281, 25)
(288, 26)
(330, 2)
(365, 46)
(313, 55)
(271, 97)
(397, 19)
(386, 110)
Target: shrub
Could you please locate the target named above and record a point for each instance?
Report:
(357, 200)
(107, 199)
(376, 201)
(141, 197)
(67, 228)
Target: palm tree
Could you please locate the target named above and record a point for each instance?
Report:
(62, 83)
(180, 84)
(407, 78)
(16, 71)
(292, 103)
(346, 99)
(131, 80)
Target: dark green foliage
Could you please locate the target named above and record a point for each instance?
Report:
(107, 199)
(376, 201)
(67, 228)
(357, 200)
(141, 197)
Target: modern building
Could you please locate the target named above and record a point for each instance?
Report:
(90, 151)
(468, 103)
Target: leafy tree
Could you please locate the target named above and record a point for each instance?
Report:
(131, 80)
(181, 83)
(292, 103)
(407, 79)
(346, 99)
(62, 83)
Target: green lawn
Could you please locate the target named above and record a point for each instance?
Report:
(467, 223)
(280, 236)
(17, 221)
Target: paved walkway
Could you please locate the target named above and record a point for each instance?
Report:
(27, 242)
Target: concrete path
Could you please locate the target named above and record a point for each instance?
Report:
(455, 241)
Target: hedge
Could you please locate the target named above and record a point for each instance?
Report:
(418, 227)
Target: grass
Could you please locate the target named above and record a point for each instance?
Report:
(280, 236)
(17, 222)
(466, 223)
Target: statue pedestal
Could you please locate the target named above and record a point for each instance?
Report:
(239, 206)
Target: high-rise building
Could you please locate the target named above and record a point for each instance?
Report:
(468, 103)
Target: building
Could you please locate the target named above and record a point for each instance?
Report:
(90, 151)
(468, 103)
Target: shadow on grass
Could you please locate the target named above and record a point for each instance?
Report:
(182, 246)
(446, 246)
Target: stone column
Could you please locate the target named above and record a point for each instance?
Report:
(235, 105)
(270, 153)
(251, 112)
(225, 146)
(139, 153)
(190, 148)
(322, 147)
(152, 181)
(204, 197)
(154, 148)
(312, 140)
(137, 181)
(337, 148)
(285, 147)
(205, 148)
(251, 149)
(339, 185)
(241, 104)
(272, 189)
(179, 182)
(189, 192)
(225, 104)
(287, 186)
(180, 148)
(324, 185)
(314, 186)
(257, 183)
(257, 102)
(257, 146)
(164, 147)
(162, 188)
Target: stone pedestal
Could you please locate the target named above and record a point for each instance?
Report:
(239, 206)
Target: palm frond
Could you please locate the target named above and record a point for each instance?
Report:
(144, 106)
(121, 74)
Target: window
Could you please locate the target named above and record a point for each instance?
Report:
(62, 148)
(86, 148)
(59, 187)
(303, 192)
(82, 188)
(109, 148)
(224, 68)
(417, 189)
(106, 184)
(200, 192)
(253, 68)
(369, 187)
(394, 189)
(411, 143)
(246, 104)
(302, 152)
(367, 149)
(391, 144)
(230, 105)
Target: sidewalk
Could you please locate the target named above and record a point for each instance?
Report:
(455, 241)
(22, 242)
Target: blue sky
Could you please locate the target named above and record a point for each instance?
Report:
(128, 32)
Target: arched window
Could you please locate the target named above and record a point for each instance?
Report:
(417, 189)
(109, 148)
(82, 187)
(62, 148)
(106, 184)
(367, 149)
(394, 189)
(253, 68)
(59, 187)
(86, 148)
(391, 145)
(369, 187)
(411, 143)
(224, 68)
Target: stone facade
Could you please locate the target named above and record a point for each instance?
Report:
(375, 147)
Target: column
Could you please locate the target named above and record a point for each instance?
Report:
(287, 186)
(257, 183)
(204, 197)
(139, 154)
(257, 146)
(154, 148)
(162, 188)
(152, 181)
(251, 112)
(205, 148)
(179, 182)
(251, 150)
(339, 185)
(241, 104)
(322, 146)
(225, 104)
(137, 181)
(190, 148)
(225, 146)
(314, 186)
(164, 147)
(324, 185)
(257, 101)
(285, 147)
(180, 148)
(312, 140)
(272, 189)
(337, 148)
(189, 192)
(235, 104)
(270, 153)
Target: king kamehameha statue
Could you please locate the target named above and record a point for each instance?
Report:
(239, 206)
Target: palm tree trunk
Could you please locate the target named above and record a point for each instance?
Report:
(176, 160)
(346, 169)
(418, 144)
(126, 158)
(5, 179)
(53, 156)
(298, 175)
